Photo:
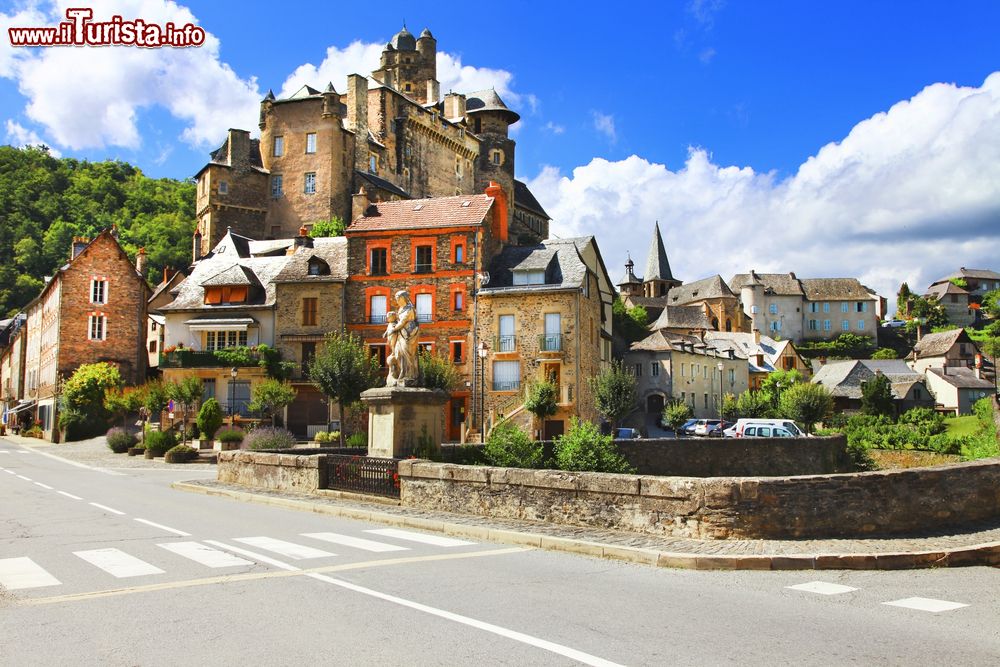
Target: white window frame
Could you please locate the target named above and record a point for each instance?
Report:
(507, 372)
(97, 327)
(277, 185)
(424, 305)
(278, 147)
(309, 183)
(310, 142)
(377, 308)
(99, 288)
(861, 324)
(845, 325)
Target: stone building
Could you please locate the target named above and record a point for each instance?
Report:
(764, 354)
(545, 314)
(13, 339)
(155, 330)
(392, 134)
(946, 349)
(844, 380)
(674, 367)
(93, 309)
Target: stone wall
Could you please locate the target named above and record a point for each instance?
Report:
(737, 457)
(275, 472)
(920, 500)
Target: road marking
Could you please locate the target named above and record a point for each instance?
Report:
(18, 573)
(166, 528)
(106, 508)
(423, 538)
(117, 563)
(44, 486)
(355, 542)
(290, 571)
(203, 554)
(551, 647)
(926, 604)
(26, 479)
(256, 556)
(10, 472)
(822, 587)
(23, 451)
(76, 464)
(286, 549)
(69, 495)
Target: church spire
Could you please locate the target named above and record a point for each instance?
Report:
(658, 279)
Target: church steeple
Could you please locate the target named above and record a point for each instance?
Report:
(658, 279)
(629, 285)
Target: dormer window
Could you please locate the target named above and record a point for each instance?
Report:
(534, 277)
(226, 294)
(318, 267)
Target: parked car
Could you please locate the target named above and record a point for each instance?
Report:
(766, 431)
(688, 427)
(763, 428)
(627, 434)
(718, 430)
(893, 324)
(706, 426)
(730, 432)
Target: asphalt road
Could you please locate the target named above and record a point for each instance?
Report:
(115, 568)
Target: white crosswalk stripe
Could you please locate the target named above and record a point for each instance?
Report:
(435, 540)
(286, 549)
(205, 555)
(356, 542)
(21, 573)
(117, 563)
(926, 604)
(822, 587)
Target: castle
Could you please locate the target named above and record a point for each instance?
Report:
(391, 136)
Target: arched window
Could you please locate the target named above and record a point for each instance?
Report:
(318, 267)
(715, 323)
(729, 325)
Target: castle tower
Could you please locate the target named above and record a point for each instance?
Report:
(752, 296)
(658, 279)
(489, 119)
(409, 65)
(629, 285)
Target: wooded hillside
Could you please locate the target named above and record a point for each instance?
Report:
(45, 202)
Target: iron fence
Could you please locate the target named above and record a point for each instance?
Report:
(362, 474)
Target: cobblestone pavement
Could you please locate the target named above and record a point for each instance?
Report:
(845, 552)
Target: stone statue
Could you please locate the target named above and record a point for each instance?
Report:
(401, 335)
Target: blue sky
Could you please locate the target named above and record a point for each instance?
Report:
(752, 130)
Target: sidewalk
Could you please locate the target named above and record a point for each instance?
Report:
(975, 547)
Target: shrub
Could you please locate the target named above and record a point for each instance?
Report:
(230, 435)
(209, 418)
(675, 414)
(508, 446)
(357, 440)
(927, 418)
(584, 448)
(269, 437)
(119, 440)
(83, 413)
(180, 454)
(860, 458)
(159, 442)
(322, 437)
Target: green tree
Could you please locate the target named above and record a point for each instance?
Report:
(272, 396)
(332, 227)
(753, 404)
(927, 312)
(885, 353)
(343, 369)
(778, 381)
(209, 418)
(120, 402)
(806, 403)
(186, 395)
(583, 448)
(675, 414)
(507, 446)
(437, 372)
(614, 393)
(902, 298)
(154, 399)
(630, 322)
(542, 400)
(876, 396)
(730, 407)
(991, 304)
(82, 399)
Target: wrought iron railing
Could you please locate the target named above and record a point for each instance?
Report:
(424, 317)
(550, 342)
(376, 319)
(362, 474)
(239, 407)
(201, 359)
(506, 385)
(505, 343)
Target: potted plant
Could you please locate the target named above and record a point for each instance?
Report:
(209, 421)
(158, 442)
(230, 438)
(180, 454)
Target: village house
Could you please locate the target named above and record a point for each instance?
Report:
(764, 354)
(672, 367)
(958, 304)
(843, 379)
(155, 321)
(12, 347)
(957, 388)
(952, 348)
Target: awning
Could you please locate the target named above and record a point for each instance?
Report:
(21, 405)
(221, 324)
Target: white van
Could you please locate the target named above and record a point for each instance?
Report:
(767, 428)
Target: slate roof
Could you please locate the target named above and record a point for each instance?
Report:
(713, 287)
(844, 378)
(781, 284)
(835, 289)
(220, 155)
(940, 289)
(657, 265)
(488, 100)
(564, 267)
(664, 341)
(165, 285)
(981, 274)
(524, 199)
(236, 274)
(938, 344)
(457, 211)
(682, 317)
(769, 348)
(331, 250)
(381, 184)
(961, 377)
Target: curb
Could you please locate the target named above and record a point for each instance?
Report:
(987, 553)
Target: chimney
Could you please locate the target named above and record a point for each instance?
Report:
(167, 274)
(239, 147)
(359, 203)
(303, 240)
(756, 336)
(791, 274)
(433, 91)
(454, 106)
(499, 210)
(357, 109)
(140, 263)
(978, 370)
(196, 246)
(79, 243)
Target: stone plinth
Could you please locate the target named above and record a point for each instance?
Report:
(404, 421)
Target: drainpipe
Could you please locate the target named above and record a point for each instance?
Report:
(576, 400)
(474, 352)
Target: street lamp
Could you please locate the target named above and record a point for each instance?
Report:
(483, 350)
(233, 372)
(720, 366)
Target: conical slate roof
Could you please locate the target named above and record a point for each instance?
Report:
(657, 266)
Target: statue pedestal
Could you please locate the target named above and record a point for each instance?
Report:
(404, 421)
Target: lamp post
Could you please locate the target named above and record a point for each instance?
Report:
(233, 372)
(483, 350)
(720, 366)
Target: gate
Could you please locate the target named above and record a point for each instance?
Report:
(362, 474)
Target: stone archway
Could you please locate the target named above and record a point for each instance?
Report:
(654, 404)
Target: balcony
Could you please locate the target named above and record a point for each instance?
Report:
(209, 359)
(376, 319)
(425, 317)
(550, 342)
(506, 385)
(504, 343)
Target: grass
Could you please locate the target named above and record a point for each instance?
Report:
(961, 426)
(894, 459)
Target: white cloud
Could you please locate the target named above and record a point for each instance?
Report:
(88, 97)
(20, 136)
(605, 124)
(554, 128)
(704, 11)
(706, 55)
(910, 194)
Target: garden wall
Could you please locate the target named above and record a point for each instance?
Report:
(912, 501)
(274, 472)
